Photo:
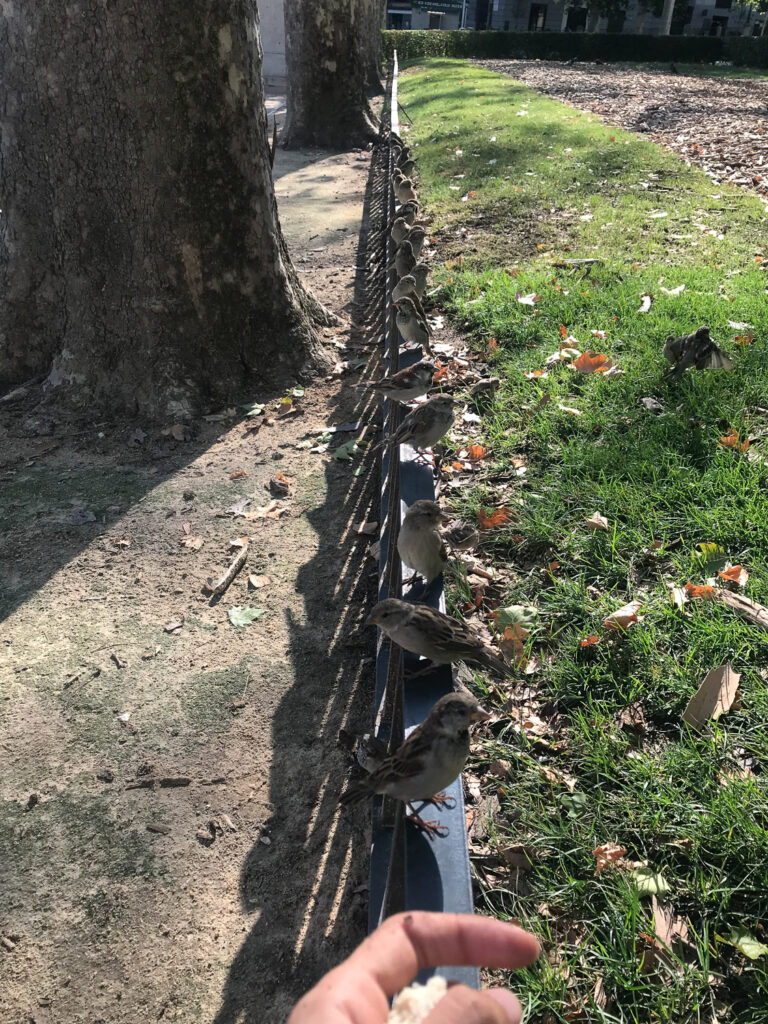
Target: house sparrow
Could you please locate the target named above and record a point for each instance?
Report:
(430, 758)
(409, 211)
(410, 324)
(405, 385)
(419, 543)
(416, 237)
(419, 274)
(399, 230)
(406, 287)
(697, 350)
(406, 191)
(407, 166)
(433, 635)
(485, 388)
(397, 177)
(404, 259)
(461, 535)
(425, 425)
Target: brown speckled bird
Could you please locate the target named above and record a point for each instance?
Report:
(696, 350)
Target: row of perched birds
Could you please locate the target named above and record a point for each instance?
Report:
(434, 754)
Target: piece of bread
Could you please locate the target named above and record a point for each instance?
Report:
(414, 1003)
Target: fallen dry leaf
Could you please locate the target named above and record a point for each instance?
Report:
(679, 596)
(704, 593)
(669, 927)
(477, 451)
(257, 582)
(714, 696)
(179, 432)
(645, 305)
(497, 517)
(624, 616)
(592, 362)
(173, 627)
(536, 375)
(527, 300)
(607, 854)
(588, 641)
(757, 613)
(568, 409)
(512, 644)
(238, 474)
(735, 574)
(673, 291)
(272, 510)
(731, 440)
(596, 522)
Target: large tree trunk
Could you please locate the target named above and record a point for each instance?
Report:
(374, 44)
(327, 51)
(141, 259)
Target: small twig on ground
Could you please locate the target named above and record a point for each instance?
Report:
(576, 263)
(218, 588)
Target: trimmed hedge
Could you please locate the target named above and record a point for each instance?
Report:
(581, 45)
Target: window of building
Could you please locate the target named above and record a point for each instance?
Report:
(723, 3)
(718, 26)
(537, 19)
(398, 20)
(435, 20)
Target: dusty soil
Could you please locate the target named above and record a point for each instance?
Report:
(720, 124)
(170, 846)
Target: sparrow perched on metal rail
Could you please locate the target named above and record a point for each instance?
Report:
(407, 166)
(410, 324)
(399, 232)
(419, 274)
(404, 260)
(416, 236)
(405, 385)
(406, 191)
(433, 635)
(406, 288)
(697, 350)
(430, 758)
(425, 425)
(409, 211)
(419, 543)
(397, 177)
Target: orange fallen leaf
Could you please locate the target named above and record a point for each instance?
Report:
(735, 574)
(592, 362)
(608, 854)
(623, 617)
(477, 451)
(731, 440)
(497, 517)
(705, 593)
(458, 466)
(744, 339)
(237, 474)
(589, 640)
(440, 373)
(563, 331)
(534, 374)
(553, 567)
(492, 345)
(512, 644)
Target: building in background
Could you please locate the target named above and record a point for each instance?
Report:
(699, 18)
(272, 28)
(421, 14)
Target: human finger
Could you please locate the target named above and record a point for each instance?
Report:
(407, 943)
(462, 1005)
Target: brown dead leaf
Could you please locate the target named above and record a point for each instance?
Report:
(536, 374)
(704, 593)
(679, 596)
(558, 778)
(257, 582)
(735, 574)
(714, 696)
(497, 517)
(238, 474)
(607, 855)
(588, 641)
(272, 510)
(512, 644)
(519, 856)
(366, 529)
(669, 927)
(596, 522)
(624, 617)
(569, 409)
(592, 362)
(477, 451)
(731, 440)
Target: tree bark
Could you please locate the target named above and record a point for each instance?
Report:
(666, 17)
(141, 258)
(327, 50)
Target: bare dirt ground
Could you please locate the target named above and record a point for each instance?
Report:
(720, 124)
(170, 847)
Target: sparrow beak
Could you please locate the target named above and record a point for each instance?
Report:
(480, 715)
(370, 621)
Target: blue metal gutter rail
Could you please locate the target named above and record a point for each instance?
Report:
(409, 871)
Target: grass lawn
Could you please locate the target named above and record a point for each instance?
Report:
(590, 748)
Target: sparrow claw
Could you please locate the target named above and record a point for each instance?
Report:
(442, 800)
(432, 828)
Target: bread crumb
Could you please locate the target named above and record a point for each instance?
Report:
(415, 1002)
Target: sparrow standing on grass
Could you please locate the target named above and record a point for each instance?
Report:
(419, 543)
(430, 758)
(433, 635)
(405, 385)
(697, 350)
(425, 425)
(410, 324)
(461, 535)
(404, 260)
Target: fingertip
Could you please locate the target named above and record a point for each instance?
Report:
(508, 1002)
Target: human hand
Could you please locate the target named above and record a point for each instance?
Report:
(358, 990)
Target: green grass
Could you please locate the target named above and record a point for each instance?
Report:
(694, 806)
